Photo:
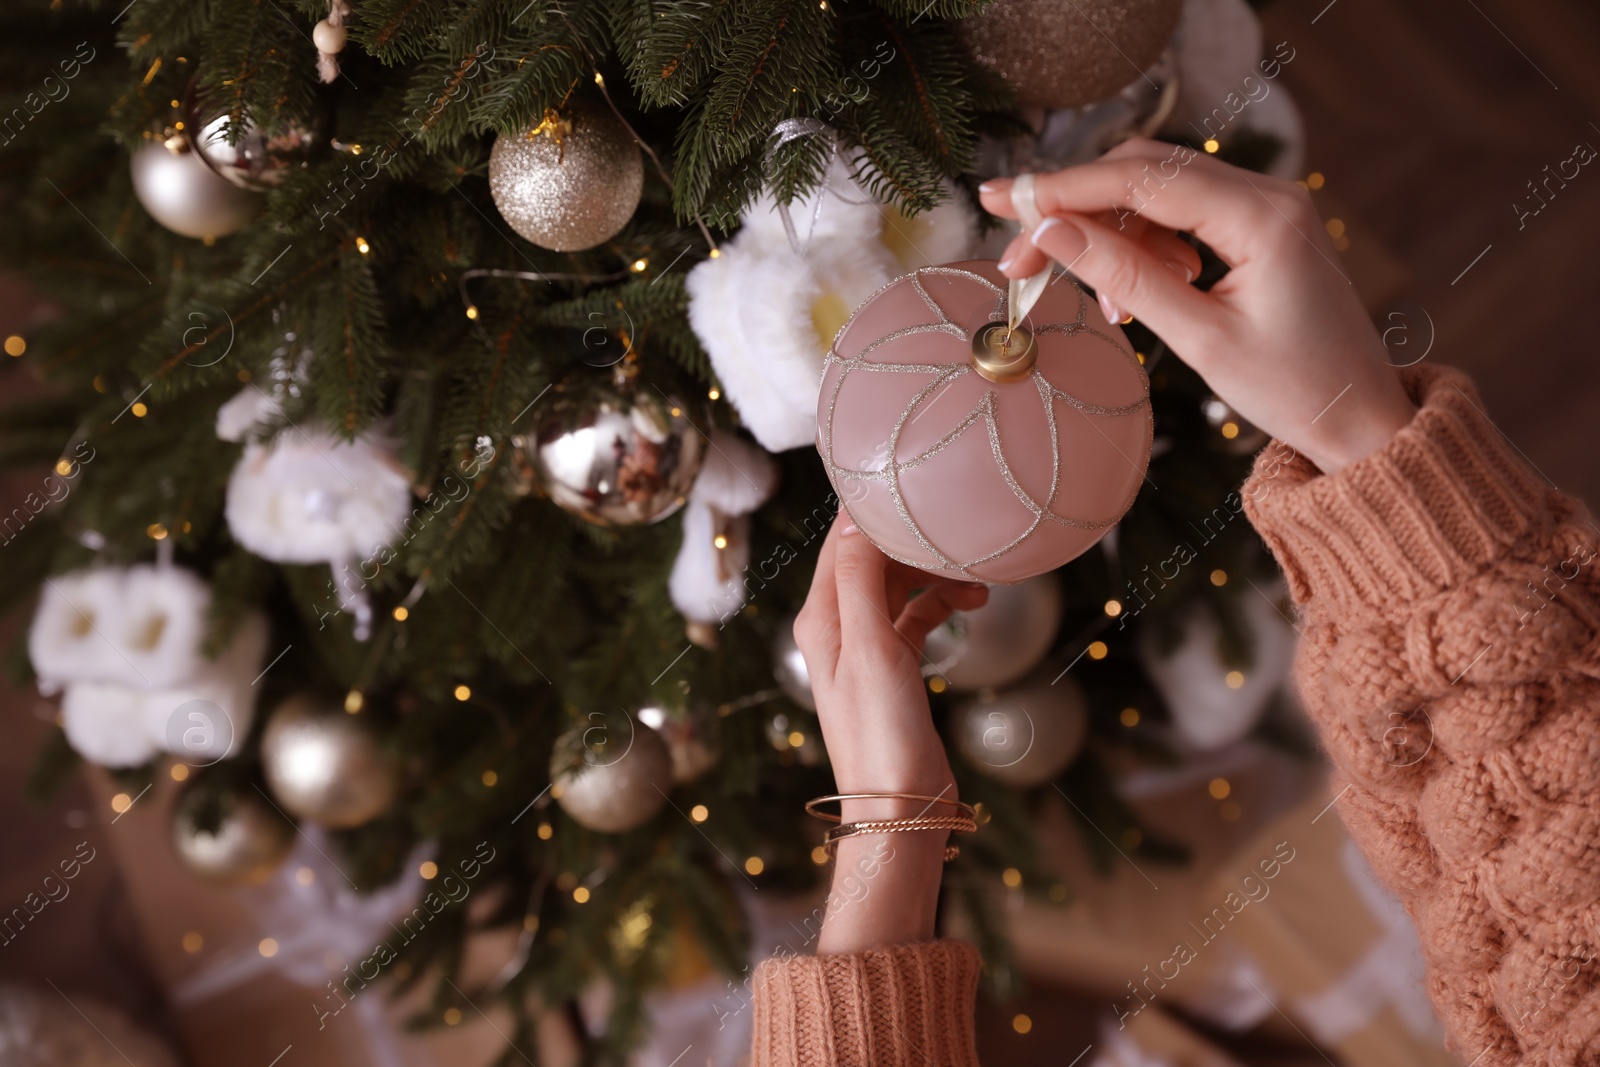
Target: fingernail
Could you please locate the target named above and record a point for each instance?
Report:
(995, 185)
(1005, 265)
(850, 529)
(1181, 268)
(1023, 202)
(1112, 313)
(1061, 240)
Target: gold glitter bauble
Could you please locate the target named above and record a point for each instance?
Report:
(570, 182)
(247, 844)
(1026, 735)
(326, 765)
(1058, 55)
(613, 774)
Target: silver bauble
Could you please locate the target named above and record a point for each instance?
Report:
(1026, 735)
(325, 765)
(572, 181)
(180, 192)
(616, 785)
(618, 457)
(260, 159)
(1001, 641)
(249, 842)
(43, 1028)
(789, 667)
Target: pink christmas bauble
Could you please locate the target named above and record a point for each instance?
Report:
(968, 454)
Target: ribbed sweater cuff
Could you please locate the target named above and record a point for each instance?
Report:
(907, 1005)
(1423, 513)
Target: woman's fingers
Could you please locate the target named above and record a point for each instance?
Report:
(1023, 257)
(934, 606)
(816, 628)
(1172, 185)
(861, 588)
(1154, 289)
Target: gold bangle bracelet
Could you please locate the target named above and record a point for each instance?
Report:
(838, 798)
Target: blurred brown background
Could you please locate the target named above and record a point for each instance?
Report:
(1428, 120)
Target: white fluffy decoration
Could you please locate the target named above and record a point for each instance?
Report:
(312, 497)
(708, 583)
(124, 647)
(736, 476)
(1207, 712)
(767, 312)
(252, 408)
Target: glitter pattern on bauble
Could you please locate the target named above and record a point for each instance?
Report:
(1058, 55)
(571, 182)
(616, 782)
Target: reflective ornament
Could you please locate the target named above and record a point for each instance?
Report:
(618, 458)
(248, 842)
(1023, 736)
(571, 182)
(43, 1028)
(1057, 56)
(260, 159)
(789, 667)
(611, 780)
(1001, 641)
(181, 192)
(972, 458)
(325, 765)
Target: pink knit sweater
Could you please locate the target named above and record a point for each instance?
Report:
(1450, 659)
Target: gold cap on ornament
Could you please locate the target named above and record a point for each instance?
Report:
(1004, 355)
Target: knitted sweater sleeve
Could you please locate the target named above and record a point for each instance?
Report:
(1449, 609)
(903, 1006)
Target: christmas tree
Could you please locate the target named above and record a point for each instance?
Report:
(351, 302)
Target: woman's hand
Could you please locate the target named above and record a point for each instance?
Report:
(861, 632)
(1282, 338)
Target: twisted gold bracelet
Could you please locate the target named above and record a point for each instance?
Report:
(960, 824)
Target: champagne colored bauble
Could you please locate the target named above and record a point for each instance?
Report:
(248, 842)
(325, 765)
(43, 1028)
(1001, 641)
(616, 785)
(1026, 735)
(969, 460)
(260, 159)
(789, 667)
(181, 192)
(618, 457)
(1059, 55)
(571, 182)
